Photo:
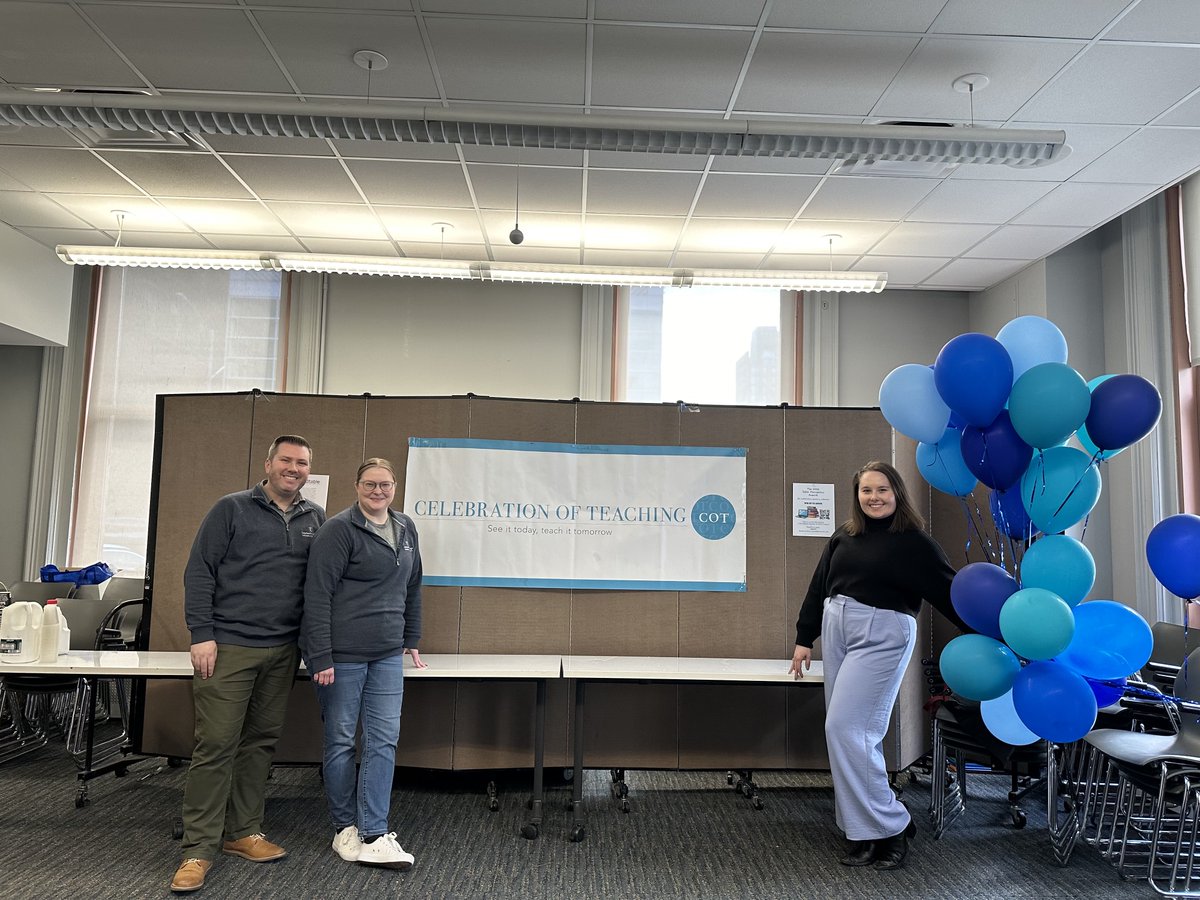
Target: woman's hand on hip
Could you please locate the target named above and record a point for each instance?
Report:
(801, 659)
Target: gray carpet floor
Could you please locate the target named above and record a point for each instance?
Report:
(688, 836)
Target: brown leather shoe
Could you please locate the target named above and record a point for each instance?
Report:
(254, 847)
(190, 875)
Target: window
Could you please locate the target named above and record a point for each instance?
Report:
(160, 331)
(704, 345)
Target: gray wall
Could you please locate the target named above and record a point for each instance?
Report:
(20, 382)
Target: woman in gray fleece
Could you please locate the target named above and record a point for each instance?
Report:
(362, 613)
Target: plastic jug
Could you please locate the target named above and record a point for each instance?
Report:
(56, 636)
(20, 633)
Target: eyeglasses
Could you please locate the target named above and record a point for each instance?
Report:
(373, 486)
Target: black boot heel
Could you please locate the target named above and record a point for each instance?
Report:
(861, 853)
(892, 852)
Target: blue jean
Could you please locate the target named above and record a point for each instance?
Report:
(372, 691)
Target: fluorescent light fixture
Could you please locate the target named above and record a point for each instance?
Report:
(529, 273)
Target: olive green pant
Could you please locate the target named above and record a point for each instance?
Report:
(240, 710)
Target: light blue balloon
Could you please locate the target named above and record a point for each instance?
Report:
(1085, 439)
(1031, 341)
(978, 667)
(1061, 565)
(1048, 403)
(942, 465)
(1059, 488)
(1036, 623)
(912, 405)
(1111, 641)
(1000, 717)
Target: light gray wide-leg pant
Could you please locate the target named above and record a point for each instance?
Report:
(865, 652)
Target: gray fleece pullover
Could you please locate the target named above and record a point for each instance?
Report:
(244, 579)
(362, 599)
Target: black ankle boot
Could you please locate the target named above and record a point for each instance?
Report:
(860, 853)
(891, 852)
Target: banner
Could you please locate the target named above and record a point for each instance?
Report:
(541, 515)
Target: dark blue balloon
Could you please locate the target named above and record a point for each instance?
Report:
(1172, 549)
(1125, 408)
(978, 592)
(1054, 702)
(995, 453)
(1008, 512)
(1107, 692)
(973, 374)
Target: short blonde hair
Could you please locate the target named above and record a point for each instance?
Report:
(372, 463)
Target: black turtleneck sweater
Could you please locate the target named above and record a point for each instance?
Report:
(881, 569)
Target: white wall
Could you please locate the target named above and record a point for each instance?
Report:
(420, 337)
(877, 332)
(35, 292)
(1023, 294)
(20, 381)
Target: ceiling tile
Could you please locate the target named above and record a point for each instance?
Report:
(52, 237)
(1186, 113)
(1017, 69)
(29, 208)
(930, 239)
(268, 146)
(901, 270)
(571, 9)
(1152, 78)
(1027, 17)
(181, 240)
(825, 73)
(663, 162)
(982, 202)
(648, 193)
(675, 68)
(141, 214)
(1087, 143)
(395, 150)
(318, 51)
(873, 15)
(349, 247)
(760, 196)
(528, 253)
(641, 232)
(263, 242)
(549, 190)
(1084, 205)
(617, 257)
(1028, 242)
(809, 262)
(812, 236)
(411, 183)
(693, 12)
(541, 229)
(1159, 156)
(567, 159)
(712, 259)
(758, 165)
(295, 178)
(177, 174)
(490, 60)
(224, 53)
(226, 216)
(458, 250)
(62, 171)
(732, 235)
(974, 274)
(33, 136)
(80, 57)
(406, 224)
(871, 197)
(325, 220)
(1169, 21)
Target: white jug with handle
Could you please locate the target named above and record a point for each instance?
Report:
(20, 632)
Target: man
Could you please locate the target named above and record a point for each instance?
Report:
(243, 595)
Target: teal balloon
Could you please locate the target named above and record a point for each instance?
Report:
(942, 465)
(1000, 717)
(1031, 341)
(1061, 565)
(1048, 404)
(911, 403)
(1036, 623)
(1059, 488)
(1111, 641)
(978, 667)
(1085, 439)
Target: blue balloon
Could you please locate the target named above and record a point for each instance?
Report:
(1037, 624)
(911, 403)
(1085, 439)
(1059, 564)
(973, 374)
(1048, 403)
(1054, 702)
(1111, 641)
(1125, 408)
(1108, 691)
(1059, 488)
(1031, 341)
(942, 465)
(1008, 512)
(1172, 549)
(995, 453)
(978, 592)
(1001, 719)
(977, 667)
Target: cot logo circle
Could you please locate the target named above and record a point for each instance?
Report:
(713, 517)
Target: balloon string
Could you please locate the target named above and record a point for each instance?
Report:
(984, 543)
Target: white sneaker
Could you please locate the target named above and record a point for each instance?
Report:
(386, 853)
(347, 843)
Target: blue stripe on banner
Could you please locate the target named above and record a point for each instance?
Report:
(589, 584)
(543, 447)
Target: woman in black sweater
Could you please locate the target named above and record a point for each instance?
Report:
(863, 599)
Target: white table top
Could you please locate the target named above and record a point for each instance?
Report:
(670, 668)
(178, 664)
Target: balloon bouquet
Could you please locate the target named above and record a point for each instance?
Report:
(1001, 411)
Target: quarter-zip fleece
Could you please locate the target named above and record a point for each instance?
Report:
(244, 579)
(362, 600)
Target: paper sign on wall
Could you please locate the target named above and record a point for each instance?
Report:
(812, 510)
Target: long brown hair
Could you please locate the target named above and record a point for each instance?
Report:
(906, 517)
